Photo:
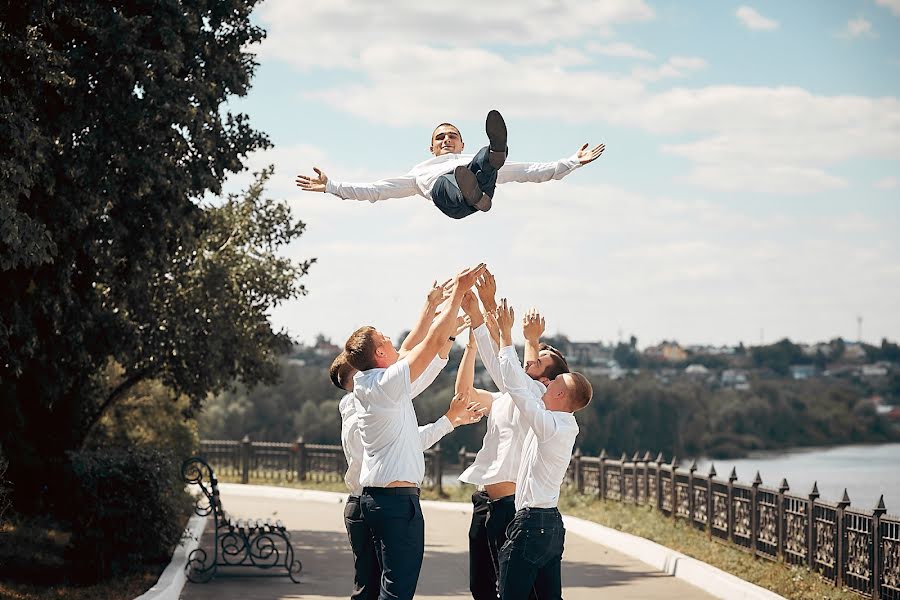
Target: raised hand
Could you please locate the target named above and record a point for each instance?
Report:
(486, 286)
(470, 305)
(505, 318)
(533, 325)
(462, 323)
(438, 293)
(312, 184)
(464, 411)
(490, 319)
(586, 156)
(467, 277)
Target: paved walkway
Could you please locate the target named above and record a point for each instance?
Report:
(321, 542)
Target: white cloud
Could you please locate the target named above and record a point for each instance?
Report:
(753, 20)
(892, 5)
(334, 33)
(621, 50)
(887, 183)
(857, 27)
(675, 67)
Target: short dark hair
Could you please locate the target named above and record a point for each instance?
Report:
(448, 125)
(581, 395)
(341, 373)
(360, 349)
(558, 364)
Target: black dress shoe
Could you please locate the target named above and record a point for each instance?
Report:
(495, 127)
(471, 193)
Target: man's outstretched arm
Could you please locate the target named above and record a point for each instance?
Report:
(539, 172)
(395, 187)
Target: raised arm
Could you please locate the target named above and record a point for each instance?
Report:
(436, 365)
(462, 411)
(540, 172)
(533, 327)
(436, 295)
(465, 376)
(517, 382)
(444, 326)
(395, 187)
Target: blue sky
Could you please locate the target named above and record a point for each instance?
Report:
(749, 189)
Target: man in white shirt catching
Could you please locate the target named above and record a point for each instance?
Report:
(367, 573)
(531, 556)
(496, 465)
(393, 465)
(458, 184)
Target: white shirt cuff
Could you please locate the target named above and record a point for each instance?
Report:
(443, 425)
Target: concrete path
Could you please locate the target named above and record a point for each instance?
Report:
(590, 570)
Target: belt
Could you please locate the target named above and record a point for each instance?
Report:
(391, 491)
(353, 498)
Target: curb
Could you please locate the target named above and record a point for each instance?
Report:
(172, 580)
(708, 578)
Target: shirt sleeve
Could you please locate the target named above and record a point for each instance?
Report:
(394, 383)
(427, 378)
(396, 187)
(536, 172)
(523, 395)
(488, 355)
(432, 433)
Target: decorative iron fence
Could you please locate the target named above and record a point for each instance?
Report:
(297, 461)
(853, 548)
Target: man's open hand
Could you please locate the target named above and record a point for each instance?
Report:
(486, 286)
(505, 318)
(586, 156)
(533, 325)
(312, 184)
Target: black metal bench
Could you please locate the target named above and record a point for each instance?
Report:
(237, 543)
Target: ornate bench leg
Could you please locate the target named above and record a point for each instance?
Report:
(196, 569)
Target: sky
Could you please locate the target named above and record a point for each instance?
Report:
(749, 191)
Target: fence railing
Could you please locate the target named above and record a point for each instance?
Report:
(297, 461)
(850, 547)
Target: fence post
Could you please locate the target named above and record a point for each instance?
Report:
(780, 529)
(462, 459)
(658, 500)
(839, 538)
(634, 477)
(691, 502)
(576, 466)
(811, 533)
(710, 500)
(601, 473)
(674, 488)
(732, 477)
(438, 469)
(245, 459)
(876, 542)
(301, 458)
(754, 514)
(645, 481)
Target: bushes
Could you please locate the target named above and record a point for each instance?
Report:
(135, 509)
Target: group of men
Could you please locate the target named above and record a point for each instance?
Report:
(516, 536)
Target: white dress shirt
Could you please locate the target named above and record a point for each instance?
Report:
(548, 444)
(351, 440)
(389, 430)
(501, 450)
(421, 178)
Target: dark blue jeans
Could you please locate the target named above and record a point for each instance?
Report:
(532, 555)
(449, 199)
(367, 573)
(398, 530)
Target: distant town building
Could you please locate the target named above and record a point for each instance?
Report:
(588, 353)
(668, 351)
(854, 351)
(696, 370)
(876, 370)
(735, 378)
(803, 371)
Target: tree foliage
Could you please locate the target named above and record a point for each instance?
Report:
(115, 130)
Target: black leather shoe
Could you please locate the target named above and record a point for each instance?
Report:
(495, 127)
(468, 185)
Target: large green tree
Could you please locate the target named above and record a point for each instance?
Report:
(114, 129)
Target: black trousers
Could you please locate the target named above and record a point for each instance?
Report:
(531, 557)
(449, 199)
(367, 573)
(487, 534)
(395, 519)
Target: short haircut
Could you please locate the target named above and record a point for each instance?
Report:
(448, 125)
(360, 349)
(342, 372)
(581, 393)
(558, 364)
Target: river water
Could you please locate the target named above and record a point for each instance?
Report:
(867, 471)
